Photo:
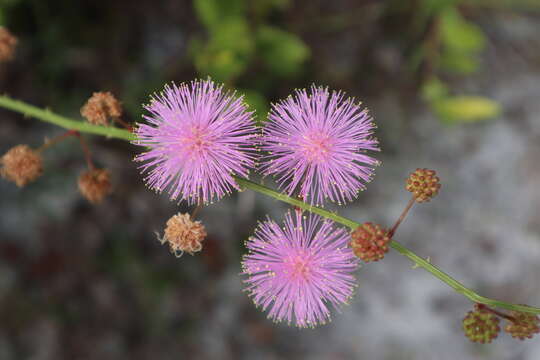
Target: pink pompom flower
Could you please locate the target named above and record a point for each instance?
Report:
(297, 271)
(198, 136)
(317, 145)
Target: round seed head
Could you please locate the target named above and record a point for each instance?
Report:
(524, 326)
(21, 164)
(423, 184)
(481, 326)
(369, 242)
(95, 184)
(8, 42)
(101, 109)
(184, 235)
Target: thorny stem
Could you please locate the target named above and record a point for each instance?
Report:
(124, 124)
(48, 116)
(402, 217)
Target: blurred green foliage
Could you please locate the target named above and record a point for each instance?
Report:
(238, 37)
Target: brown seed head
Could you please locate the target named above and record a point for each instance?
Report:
(95, 184)
(8, 42)
(524, 326)
(369, 242)
(21, 164)
(481, 326)
(424, 184)
(101, 109)
(184, 234)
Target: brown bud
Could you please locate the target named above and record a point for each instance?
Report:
(424, 184)
(8, 42)
(184, 234)
(95, 184)
(481, 326)
(101, 109)
(369, 242)
(21, 164)
(523, 325)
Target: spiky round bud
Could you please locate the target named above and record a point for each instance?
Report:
(183, 234)
(424, 184)
(101, 109)
(481, 326)
(95, 184)
(21, 164)
(524, 325)
(370, 242)
(8, 42)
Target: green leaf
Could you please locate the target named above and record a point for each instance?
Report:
(458, 62)
(283, 53)
(213, 12)
(227, 53)
(462, 109)
(459, 35)
(434, 89)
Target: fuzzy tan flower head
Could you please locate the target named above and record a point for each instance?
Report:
(183, 234)
(101, 109)
(95, 184)
(21, 164)
(8, 42)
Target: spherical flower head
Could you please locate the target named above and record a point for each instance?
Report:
(8, 42)
(317, 145)
(95, 184)
(481, 326)
(524, 326)
(198, 136)
(423, 184)
(370, 242)
(21, 164)
(101, 109)
(297, 271)
(183, 234)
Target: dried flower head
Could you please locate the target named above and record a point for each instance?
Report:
(317, 145)
(184, 235)
(21, 164)
(101, 109)
(524, 325)
(95, 184)
(8, 42)
(298, 270)
(424, 184)
(481, 326)
(199, 136)
(370, 242)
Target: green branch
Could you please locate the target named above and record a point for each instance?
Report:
(111, 132)
(48, 116)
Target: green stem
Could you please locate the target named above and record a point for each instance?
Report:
(46, 115)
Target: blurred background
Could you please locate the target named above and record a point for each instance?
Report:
(453, 85)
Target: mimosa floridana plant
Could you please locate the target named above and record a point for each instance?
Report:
(523, 322)
(294, 272)
(317, 144)
(198, 137)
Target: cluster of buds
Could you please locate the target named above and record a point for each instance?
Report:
(369, 242)
(423, 184)
(482, 324)
(8, 42)
(183, 234)
(102, 109)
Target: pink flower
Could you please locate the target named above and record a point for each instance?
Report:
(297, 270)
(197, 136)
(317, 144)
